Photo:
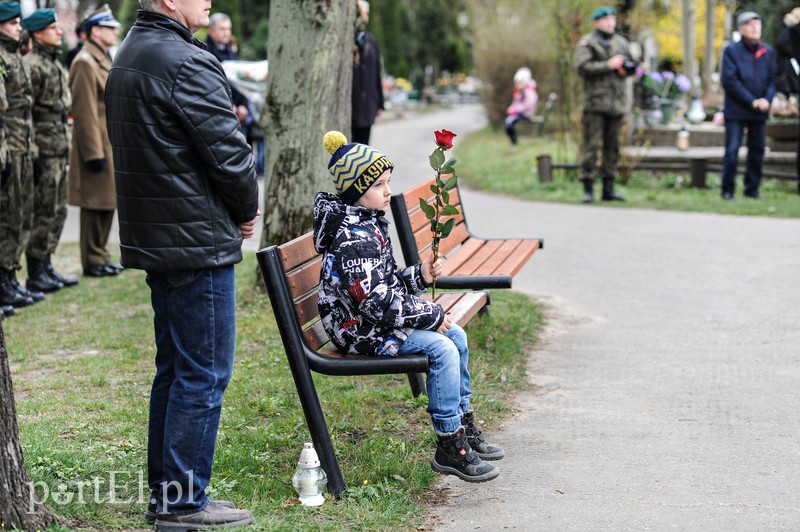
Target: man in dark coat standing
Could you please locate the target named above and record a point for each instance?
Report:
(787, 47)
(186, 196)
(748, 77)
(367, 88)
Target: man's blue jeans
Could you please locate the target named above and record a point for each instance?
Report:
(448, 376)
(756, 142)
(195, 330)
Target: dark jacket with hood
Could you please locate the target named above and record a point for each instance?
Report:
(366, 304)
(748, 73)
(185, 174)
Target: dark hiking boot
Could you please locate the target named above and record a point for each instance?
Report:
(6, 311)
(38, 278)
(588, 191)
(66, 280)
(477, 441)
(608, 191)
(454, 456)
(33, 294)
(150, 515)
(9, 295)
(212, 516)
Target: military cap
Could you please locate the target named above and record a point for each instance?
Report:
(102, 17)
(39, 19)
(746, 17)
(603, 12)
(9, 10)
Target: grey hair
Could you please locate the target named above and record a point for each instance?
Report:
(216, 18)
(149, 5)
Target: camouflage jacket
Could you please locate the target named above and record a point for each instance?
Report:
(51, 101)
(3, 109)
(17, 78)
(604, 90)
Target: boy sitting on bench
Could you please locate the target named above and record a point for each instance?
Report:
(368, 306)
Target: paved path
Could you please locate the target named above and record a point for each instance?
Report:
(666, 384)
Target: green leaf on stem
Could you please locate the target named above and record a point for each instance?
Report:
(434, 189)
(446, 169)
(437, 159)
(450, 184)
(451, 162)
(429, 211)
(449, 210)
(447, 227)
(445, 197)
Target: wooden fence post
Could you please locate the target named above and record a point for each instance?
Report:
(545, 168)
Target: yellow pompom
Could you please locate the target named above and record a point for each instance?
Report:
(333, 140)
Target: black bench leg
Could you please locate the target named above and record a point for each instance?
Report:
(315, 420)
(417, 383)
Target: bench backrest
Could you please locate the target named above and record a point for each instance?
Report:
(302, 265)
(421, 226)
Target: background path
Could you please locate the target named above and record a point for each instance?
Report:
(666, 385)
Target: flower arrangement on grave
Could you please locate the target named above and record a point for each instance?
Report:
(445, 181)
(664, 85)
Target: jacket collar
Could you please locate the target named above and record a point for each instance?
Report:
(98, 54)
(47, 51)
(8, 43)
(151, 19)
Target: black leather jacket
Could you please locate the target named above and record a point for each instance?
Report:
(185, 174)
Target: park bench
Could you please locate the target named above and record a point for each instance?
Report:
(469, 262)
(537, 123)
(291, 273)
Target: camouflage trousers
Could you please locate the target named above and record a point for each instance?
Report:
(49, 206)
(600, 133)
(16, 209)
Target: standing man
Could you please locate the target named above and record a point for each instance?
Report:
(367, 94)
(91, 165)
(187, 197)
(16, 189)
(219, 43)
(603, 60)
(51, 103)
(748, 77)
(787, 46)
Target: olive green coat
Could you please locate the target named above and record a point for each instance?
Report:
(604, 90)
(87, 82)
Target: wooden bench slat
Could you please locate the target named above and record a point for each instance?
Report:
(516, 260)
(457, 259)
(297, 251)
(315, 335)
(306, 307)
(497, 260)
(470, 267)
(306, 277)
(420, 222)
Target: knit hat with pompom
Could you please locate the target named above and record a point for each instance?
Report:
(354, 167)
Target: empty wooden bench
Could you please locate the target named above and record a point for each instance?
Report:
(469, 262)
(291, 273)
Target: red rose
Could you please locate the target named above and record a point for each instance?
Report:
(444, 138)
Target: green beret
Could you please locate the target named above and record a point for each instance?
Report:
(603, 12)
(39, 19)
(9, 10)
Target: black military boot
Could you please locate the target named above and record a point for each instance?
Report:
(24, 292)
(38, 278)
(66, 280)
(588, 191)
(608, 190)
(454, 456)
(8, 292)
(477, 441)
(7, 311)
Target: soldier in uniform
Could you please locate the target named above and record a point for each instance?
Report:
(51, 101)
(603, 60)
(5, 310)
(16, 192)
(91, 167)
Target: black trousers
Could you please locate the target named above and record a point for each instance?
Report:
(361, 134)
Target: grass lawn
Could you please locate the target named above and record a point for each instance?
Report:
(487, 161)
(82, 363)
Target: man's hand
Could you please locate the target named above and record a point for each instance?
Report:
(429, 270)
(249, 228)
(761, 105)
(242, 112)
(615, 63)
(445, 326)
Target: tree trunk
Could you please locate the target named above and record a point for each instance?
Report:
(688, 35)
(709, 61)
(17, 509)
(310, 52)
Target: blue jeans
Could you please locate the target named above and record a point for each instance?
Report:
(756, 142)
(448, 376)
(195, 330)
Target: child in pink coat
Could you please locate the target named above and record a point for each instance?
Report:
(523, 104)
